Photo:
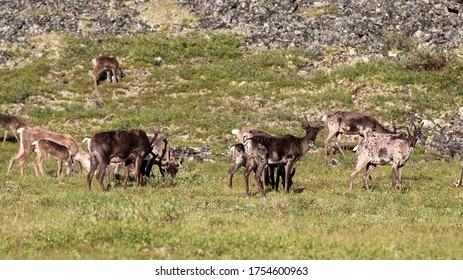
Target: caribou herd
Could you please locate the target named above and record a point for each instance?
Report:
(107, 151)
(257, 151)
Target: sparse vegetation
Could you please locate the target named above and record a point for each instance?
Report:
(316, 12)
(206, 88)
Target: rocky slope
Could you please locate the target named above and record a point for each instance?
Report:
(370, 25)
(374, 25)
(25, 18)
(22, 20)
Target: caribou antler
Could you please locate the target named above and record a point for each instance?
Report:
(156, 133)
(307, 121)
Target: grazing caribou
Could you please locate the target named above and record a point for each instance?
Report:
(162, 156)
(28, 135)
(114, 165)
(264, 150)
(170, 164)
(117, 146)
(382, 149)
(10, 123)
(350, 123)
(45, 148)
(110, 65)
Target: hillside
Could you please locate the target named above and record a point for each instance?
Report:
(368, 26)
(376, 26)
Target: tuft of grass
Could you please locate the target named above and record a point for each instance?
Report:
(316, 12)
(24, 81)
(427, 60)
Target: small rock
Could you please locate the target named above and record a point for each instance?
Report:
(22, 98)
(331, 163)
(427, 124)
(158, 61)
(441, 122)
(99, 103)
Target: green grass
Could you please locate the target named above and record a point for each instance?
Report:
(206, 88)
(201, 218)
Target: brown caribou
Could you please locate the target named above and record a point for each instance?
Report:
(163, 156)
(10, 123)
(117, 146)
(28, 135)
(349, 123)
(238, 159)
(45, 148)
(110, 65)
(286, 150)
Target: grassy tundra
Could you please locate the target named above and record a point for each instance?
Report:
(205, 88)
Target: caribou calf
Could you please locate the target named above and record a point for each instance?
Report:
(117, 146)
(269, 173)
(170, 164)
(350, 123)
(264, 150)
(238, 159)
(45, 148)
(383, 149)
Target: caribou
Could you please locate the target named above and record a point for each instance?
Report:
(269, 173)
(385, 149)
(10, 123)
(349, 123)
(286, 150)
(28, 135)
(45, 148)
(238, 160)
(110, 65)
(163, 156)
(117, 146)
